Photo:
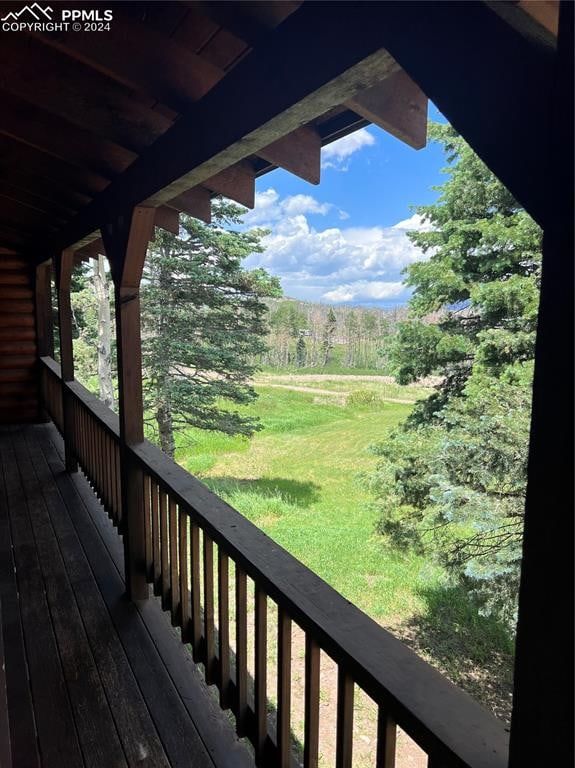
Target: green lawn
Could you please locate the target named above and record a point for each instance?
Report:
(298, 480)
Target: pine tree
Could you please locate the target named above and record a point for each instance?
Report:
(203, 323)
(452, 478)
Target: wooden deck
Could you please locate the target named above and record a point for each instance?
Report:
(91, 679)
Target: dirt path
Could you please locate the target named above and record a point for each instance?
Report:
(342, 396)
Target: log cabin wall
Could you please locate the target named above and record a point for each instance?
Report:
(18, 363)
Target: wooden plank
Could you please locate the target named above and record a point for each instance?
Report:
(21, 718)
(47, 79)
(386, 740)
(148, 528)
(344, 726)
(284, 690)
(260, 677)
(164, 550)
(5, 747)
(241, 704)
(137, 56)
(209, 628)
(195, 573)
(236, 182)
(174, 565)
(95, 727)
(43, 301)
(223, 628)
(185, 606)
(398, 106)
(311, 715)
(63, 266)
(53, 714)
(299, 152)
(156, 547)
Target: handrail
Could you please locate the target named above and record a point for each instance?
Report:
(447, 723)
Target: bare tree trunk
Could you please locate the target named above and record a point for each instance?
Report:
(102, 291)
(165, 427)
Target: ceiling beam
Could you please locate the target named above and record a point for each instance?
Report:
(397, 105)
(238, 182)
(299, 153)
(314, 61)
(196, 202)
(48, 79)
(134, 54)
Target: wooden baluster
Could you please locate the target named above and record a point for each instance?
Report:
(260, 681)
(344, 734)
(284, 689)
(224, 627)
(119, 486)
(241, 652)
(184, 576)
(174, 572)
(311, 718)
(64, 263)
(155, 509)
(196, 610)
(209, 645)
(386, 737)
(148, 528)
(115, 480)
(164, 547)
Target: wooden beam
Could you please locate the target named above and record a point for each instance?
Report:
(398, 106)
(48, 133)
(43, 299)
(63, 266)
(134, 54)
(126, 240)
(299, 152)
(543, 679)
(238, 182)
(33, 200)
(533, 19)
(49, 80)
(195, 202)
(326, 58)
(168, 219)
(545, 13)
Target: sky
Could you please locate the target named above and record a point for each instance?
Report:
(344, 241)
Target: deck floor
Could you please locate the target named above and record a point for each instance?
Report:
(90, 678)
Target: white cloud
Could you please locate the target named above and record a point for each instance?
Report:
(337, 263)
(337, 154)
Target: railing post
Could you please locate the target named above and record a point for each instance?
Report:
(64, 263)
(44, 326)
(126, 241)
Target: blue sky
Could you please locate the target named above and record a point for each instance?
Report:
(344, 240)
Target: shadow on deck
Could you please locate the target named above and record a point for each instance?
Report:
(89, 678)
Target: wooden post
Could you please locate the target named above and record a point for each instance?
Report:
(44, 325)
(126, 241)
(542, 719)
(64, 263)
(43, 297)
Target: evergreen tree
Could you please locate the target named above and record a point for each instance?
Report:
(452, 478)
(203, 322)
(301, 352)
(328, 336)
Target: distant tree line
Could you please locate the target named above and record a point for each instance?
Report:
(306, 334)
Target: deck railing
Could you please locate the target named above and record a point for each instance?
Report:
(201, 557)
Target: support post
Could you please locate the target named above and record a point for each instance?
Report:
(64, 263)
(126, 241)
(542, 720)
(44, 325)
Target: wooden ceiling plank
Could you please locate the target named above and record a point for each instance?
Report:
(398, 106)
(545, 13)
(196, 202)
(168, 219)
(299, 153)
(238, 182)
(137, 56)
(43, 204)
(29, 211)
(18, 157)
(48, 133)
(48, 79)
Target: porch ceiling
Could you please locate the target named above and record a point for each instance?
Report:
(182, 100)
